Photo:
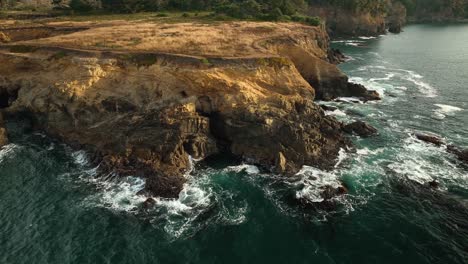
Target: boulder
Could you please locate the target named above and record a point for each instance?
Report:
(430, 138)
(434, 184)
(361, 92)
(360, 128)
(328, 108)
(462, 154)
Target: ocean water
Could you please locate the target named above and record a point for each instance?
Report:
(53, 208)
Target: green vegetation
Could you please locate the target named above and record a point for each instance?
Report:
(205, 61)
(271, 10)
(22, 49)
(458, 8)
(268, 10)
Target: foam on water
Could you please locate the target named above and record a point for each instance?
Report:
(336, 112)
(366, 37)
(445, 110)
(176, 217)
(390, 74)
(314, 181)
(249, 169)
(422, 163)
(7, 151)
(80, 158)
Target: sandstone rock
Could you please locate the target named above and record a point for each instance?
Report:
(430, 138)
(3, 132)
(146, 117)
(281, 163)
(360, 128)
(4, 38)
(3, 137)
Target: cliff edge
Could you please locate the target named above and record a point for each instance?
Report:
(144, 107)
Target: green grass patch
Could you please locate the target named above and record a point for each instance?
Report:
(59, 55)
(141, 60)
(22, 49)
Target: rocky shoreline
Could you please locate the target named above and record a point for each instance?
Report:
(145, 114)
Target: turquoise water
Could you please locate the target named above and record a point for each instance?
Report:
(54, 210)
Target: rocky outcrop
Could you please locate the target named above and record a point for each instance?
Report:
(3, 132)
(335, 56)
(346, 22)
(145, 114)
(430, 138)
(460, 153)
(360, 128)
(396, 17)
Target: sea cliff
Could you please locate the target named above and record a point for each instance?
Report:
(159, 94)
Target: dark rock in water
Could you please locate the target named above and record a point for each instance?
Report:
(150, 202)
(430, 138)
(462, 154)
(434, 184)
(335, 56)
(165, 185)
(358, 90)
(395, 28)
(330, 192)
(360, 128)
(328, 107)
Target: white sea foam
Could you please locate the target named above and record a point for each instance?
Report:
(349, 100)
(121, 194)
(422, 163)
(7, 150)
(80, 158)
(314, 181)
(366, 151)
(336, 112)
(422, 86)
(249, 169)
(350, 42)
(177, 217)
(367, 37)
(445, 110)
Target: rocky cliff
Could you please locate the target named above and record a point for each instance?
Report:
(145, 113)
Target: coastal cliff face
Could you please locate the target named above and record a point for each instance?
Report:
(345, 22)
(146, 114)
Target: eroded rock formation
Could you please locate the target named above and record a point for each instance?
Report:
(145, 114)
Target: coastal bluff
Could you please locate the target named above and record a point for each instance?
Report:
(142, 98)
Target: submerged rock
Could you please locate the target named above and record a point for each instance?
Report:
(462, 154)
(430, 138)
(361, 92)
(149, 203)
(434, 184)
(360, 128)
